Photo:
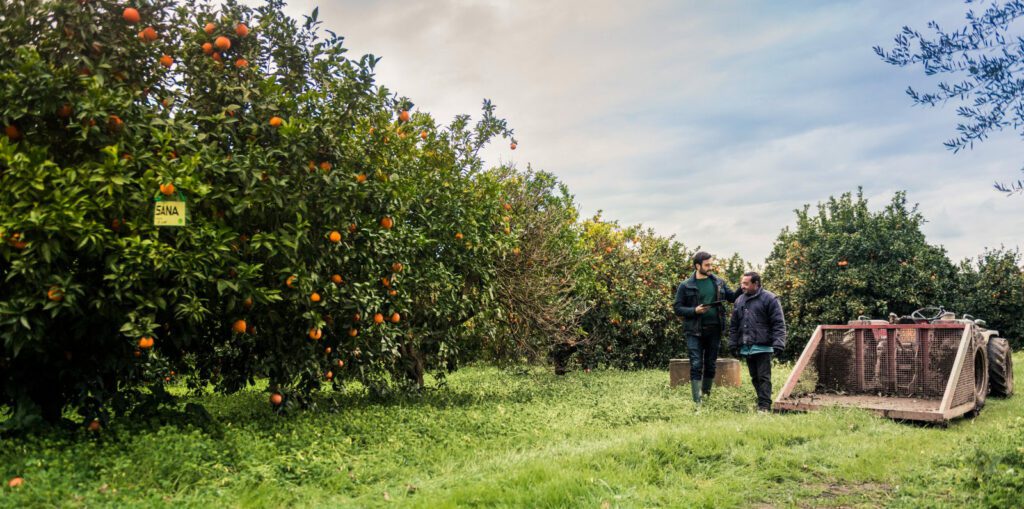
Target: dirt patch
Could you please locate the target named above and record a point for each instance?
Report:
(836, 495)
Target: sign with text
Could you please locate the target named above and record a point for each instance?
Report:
(169, 213)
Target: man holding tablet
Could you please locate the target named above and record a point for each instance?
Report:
(700, 300)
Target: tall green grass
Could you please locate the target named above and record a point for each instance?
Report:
(496, 438)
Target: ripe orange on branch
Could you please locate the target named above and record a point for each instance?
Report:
(131, 15)
(238, 327)
(222, 43)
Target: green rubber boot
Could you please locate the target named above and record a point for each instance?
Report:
(695, 389)
(706, 386)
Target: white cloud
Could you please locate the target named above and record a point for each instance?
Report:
(711, 120)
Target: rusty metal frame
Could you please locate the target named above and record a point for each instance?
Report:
(942, 413)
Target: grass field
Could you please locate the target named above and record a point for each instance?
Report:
(496, 438)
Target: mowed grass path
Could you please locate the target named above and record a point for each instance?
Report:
(495, 438)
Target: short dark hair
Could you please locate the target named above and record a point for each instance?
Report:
(754, 277)
(698, 259)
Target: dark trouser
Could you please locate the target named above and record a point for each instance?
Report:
(703, 352)
(760, 366)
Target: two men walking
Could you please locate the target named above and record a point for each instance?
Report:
(757, 328)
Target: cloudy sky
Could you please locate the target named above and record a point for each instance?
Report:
(711, 121)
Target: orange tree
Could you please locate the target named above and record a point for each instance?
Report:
(991, 287)
(330, 233)
(635, 274)
(541, 291)
(845, 261)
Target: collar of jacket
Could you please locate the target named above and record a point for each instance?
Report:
(692, 282)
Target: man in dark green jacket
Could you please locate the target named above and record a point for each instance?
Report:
(699, 301)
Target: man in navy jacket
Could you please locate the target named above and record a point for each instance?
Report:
(757, 330)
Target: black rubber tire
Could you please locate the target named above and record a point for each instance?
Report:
(1000, 368)
(981, 387)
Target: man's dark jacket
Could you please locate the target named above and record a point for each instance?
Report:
(757, 320)
(688, 298)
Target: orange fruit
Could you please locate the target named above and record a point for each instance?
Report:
(250, 330)
(315, 334)
(507, 206)
(423, 135)
(336, 279)
(512, 146)
(515, 251)
(17, 481)
(353, 332)
(843, 263)
(341, 363)
(94, 426)
(131, 15)
(242, 30)
(378, 318)
(222, 43)
(238, 327)
(64, 111)
(315, 297)
(207, 48)
(148, 34)
(12, 132)
(167, 189)
(329, 375)
(395, 318)
(334, 236)
(276, 399)
(327, 350)
(55, 294)
(608, 249)
(276, 121)
(404, 116)
(356, 317)
(458, 236)
(167, 61)
(326, 166)
(146, 342)
(217, 58)
(361, 178)
(393, 293)
(290, 281)
(396, 267)
(209, 28)
(385, 281)
(241, 63)
(352, 228)
(114, 123)
(386, 222)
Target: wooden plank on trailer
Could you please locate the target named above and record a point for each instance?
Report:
(801, 363)
(959, 411)
(859, 358)
(954, 376)
(896, 326)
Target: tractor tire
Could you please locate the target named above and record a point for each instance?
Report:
(980, 379)
(1000, 368)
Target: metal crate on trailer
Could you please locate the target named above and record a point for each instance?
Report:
(933, 371)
